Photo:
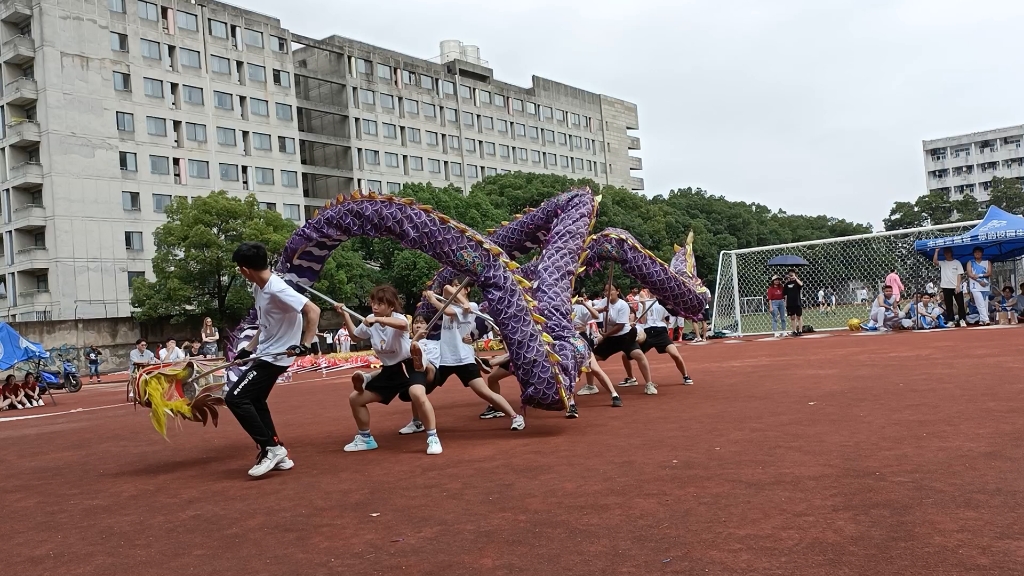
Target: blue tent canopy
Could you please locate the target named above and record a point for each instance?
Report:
(1000, 234)
(14, 348)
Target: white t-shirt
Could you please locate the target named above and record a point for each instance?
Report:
(175, 356)
(618, 313)
(656, 314)
(821, 295)
(580, 317)
(948, 271)
(341, 336)
(280, 321)
(455, 352)
(389, 344)
(431, 351)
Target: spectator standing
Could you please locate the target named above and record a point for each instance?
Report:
(92, 357)
(893, 279)
(979, 270)
(777, 304)
(821, 299)
(794, 305)
(210, 337)
(342, 340)
(329, 342)
(951, 273)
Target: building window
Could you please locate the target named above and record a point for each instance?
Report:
(116, 5)
(369, 127)
(289, 179)
(467, 118)
(565, 161)
(269, 206)
(394, 188)
(264, 176)
(161, 202)
(560, 115)
(578, 163)
(470, 145)
(148, 11)
(485, 97)
(198, 168)
(549, 136)
(502, 126)
(291, 212)
(575, 118)
(412, 135)
(383, 72)
(153, 88)
(150, 49)
(229, 172)
(187, 20)
(366, 97)
(130, 201)
(387, 101)
(156, 126)
(415, 163)
(490, 171)
(534, 132)
(261, 141)
(254, 38)
(223, 100)
(465, 91)
(373, 186)
(282, 78)
(284, 111)
(390, 130)
(43, 283)
(434, 166)
(503, 151)
(455, 168)
(517, 105)
(551, 160)
(278, 44)
(218, 28)
(372, 157)
(363, 66)
(487, 122)
(451, 115)
(535, 156)
(499, 100)
(128, 163)
(408, 78)
(391, 160)
(226, 136)
(286, 145)
(256, 73)
(431, 138)
(132, 276)
(520, 129)
(545, 112)
(118, 42)
(489, 148)
(447, 87)
(259, 107)
(192, 94)
(133, 240)
(159, 165)
(429, 110)
(125, 122)
(426, 82)
(522, 154)
(472, 171)
(453, 142)
(412, 107)
(220, 65)
(562, 139)
(531, 108)
(122, 82)
(39, 239)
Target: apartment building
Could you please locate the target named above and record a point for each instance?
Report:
(112, 108)
(966, 164)
(374, 119)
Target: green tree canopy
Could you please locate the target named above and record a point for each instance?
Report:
(1008, 194)
(933, 209)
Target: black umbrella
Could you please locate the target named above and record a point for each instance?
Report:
(787, 260)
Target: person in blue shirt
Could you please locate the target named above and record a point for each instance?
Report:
(1007, 305)
(929, 315)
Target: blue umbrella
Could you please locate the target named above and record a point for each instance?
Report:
(14, 348)
(788, 260)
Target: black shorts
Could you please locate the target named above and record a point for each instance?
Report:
(794, 309)
(706, 315)
(612, 345)
(588, 339)
(395, 380)
(466, 373)
(657, 338)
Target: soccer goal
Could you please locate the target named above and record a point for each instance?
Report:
(852, 269)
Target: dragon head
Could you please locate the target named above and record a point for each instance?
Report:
(684, 264)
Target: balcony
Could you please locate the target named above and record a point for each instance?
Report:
(27, 175)
(38, 296)
(21, 92)
(634, 143)
(16, 11)
(636, 163)
(18, 51)
(636, 183)
(36, 258)
(29, 217)
(23, 133)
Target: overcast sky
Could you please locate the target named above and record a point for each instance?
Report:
(811, 106)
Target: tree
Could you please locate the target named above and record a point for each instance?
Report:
(192, 264)
(932, 209)
(1008, 194)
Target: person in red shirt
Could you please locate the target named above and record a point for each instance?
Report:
(777, 302)
(31, 389)
(13, 393)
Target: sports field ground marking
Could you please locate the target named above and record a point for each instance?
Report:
(31, 416)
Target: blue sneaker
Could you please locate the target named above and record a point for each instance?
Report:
(361, 443)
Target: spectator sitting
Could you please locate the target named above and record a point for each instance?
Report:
(171, 352)
(884, 315)
(972, 309)
(1007, 309)
(140, 356)
(13, 394)
(929, 314)
(31, 388)
(909, 313)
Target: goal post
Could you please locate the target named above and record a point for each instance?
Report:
(852, 268)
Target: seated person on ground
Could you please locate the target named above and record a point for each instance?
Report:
(31, 389)
(1007, 308)
(884, 315)
(929, 315)
(13, 395)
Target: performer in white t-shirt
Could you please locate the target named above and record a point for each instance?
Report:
(287, 327)
(619, 336)
(655, 323)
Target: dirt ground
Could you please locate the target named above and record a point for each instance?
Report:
(845, 454)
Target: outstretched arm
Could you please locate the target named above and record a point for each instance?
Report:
(432, 298)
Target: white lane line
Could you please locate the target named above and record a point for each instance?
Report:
(30, 416)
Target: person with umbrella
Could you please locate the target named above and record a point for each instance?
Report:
(794, 305)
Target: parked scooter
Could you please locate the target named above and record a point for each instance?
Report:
(63, 378)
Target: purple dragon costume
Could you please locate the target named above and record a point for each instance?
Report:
(531, 305)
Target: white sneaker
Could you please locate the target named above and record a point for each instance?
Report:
(588, 389)
(271, 457)
(433, 445)
(963, 324)
(285, 464)
(412, 427)
(37, 403)
(41, 403)
(650, 388)
(17, 406)
(628, 382)
(518, 423)
(360, 443)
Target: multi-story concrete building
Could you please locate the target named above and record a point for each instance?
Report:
(112, 108)
(966, 164)
(372, 118)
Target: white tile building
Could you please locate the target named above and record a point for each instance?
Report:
(966, 164)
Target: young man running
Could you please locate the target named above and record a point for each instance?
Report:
(656, 337)
(618, 336)
(287, 326)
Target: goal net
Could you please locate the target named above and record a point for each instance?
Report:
(850, 269)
